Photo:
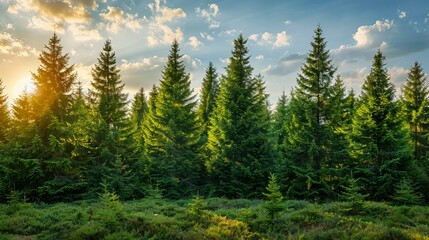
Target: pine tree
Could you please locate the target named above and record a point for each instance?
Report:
(209, 92)
(171, 130)
(308, 145)
(4, 113)
(112, 135)
(54, 80)
(416, 107)
(138, 110)
(279, 121)
(275, 197)
(379, 143)
(108, 89)
(239, 144)
(406, 194)
(353, 195)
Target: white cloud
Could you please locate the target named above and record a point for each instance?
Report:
(190, 62)
(254, 37)
(11, 46)
(259, 57)
(164, 35)
(287, 22)
(144, 64)
(60, 10)
(82, 34)
(209, 14)
(206, 36)
(9, 26)
(118, 19)
(402, 14)
(394, 38)
(266, 38)
(354, 79)
(281, 40)
(160, 32)
(194, 42)
(398, 76)
(46, 23)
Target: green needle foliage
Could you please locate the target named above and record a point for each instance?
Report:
(209, 92)
(171, 130)
(4, 113)
(406, 194)
(379, 143)
(354, 197)
(274, 205)
(309, 131)
(240, 150)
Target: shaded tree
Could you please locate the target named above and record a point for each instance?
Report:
(209, 92)
(4, 113)
(240, 150)
(379, 143)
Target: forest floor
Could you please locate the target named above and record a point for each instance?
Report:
(213, 218)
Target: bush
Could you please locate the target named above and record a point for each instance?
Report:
(405, 194)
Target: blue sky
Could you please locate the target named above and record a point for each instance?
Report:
(279, 35)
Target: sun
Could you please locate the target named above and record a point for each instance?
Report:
(24, 84)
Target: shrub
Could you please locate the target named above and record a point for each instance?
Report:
(405, 194)
(353, 196)
(274, 204)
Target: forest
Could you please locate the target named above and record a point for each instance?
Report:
(325, 163)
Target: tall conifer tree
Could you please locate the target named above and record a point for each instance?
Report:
(241, 152)
(379, 143)
(209, 92)
(416, 107)
(308, 145)
(4, 114)
(171, 130)
(53, 80)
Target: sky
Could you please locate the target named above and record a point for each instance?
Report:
(279, 34)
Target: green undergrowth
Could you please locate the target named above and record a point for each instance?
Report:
(214, 218)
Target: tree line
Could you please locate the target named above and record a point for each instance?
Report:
(62, 143)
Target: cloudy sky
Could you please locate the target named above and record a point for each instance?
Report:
(279, 33)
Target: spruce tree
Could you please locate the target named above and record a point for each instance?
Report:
(416, 107)
(308, 145)
(112, 135)
(4, 113)
(279, 120)
(379, 143)
(171, 130)
(239, 144)
(138, 110)
(54, 80)
(108, 89)
(209, 92)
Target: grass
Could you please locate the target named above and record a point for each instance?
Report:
(214, 218)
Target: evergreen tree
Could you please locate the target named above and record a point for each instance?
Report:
(274, 204)
(279, 121)
(138, 110)
(239, 144)
(379, 143)
(416, 107)
(108, 89)
(112, 135)
(171, 130)
(4, 114)
(53, 80)
(209, 92)
(308, 145)
(406, 194)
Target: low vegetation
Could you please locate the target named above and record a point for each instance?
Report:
(213, 218)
